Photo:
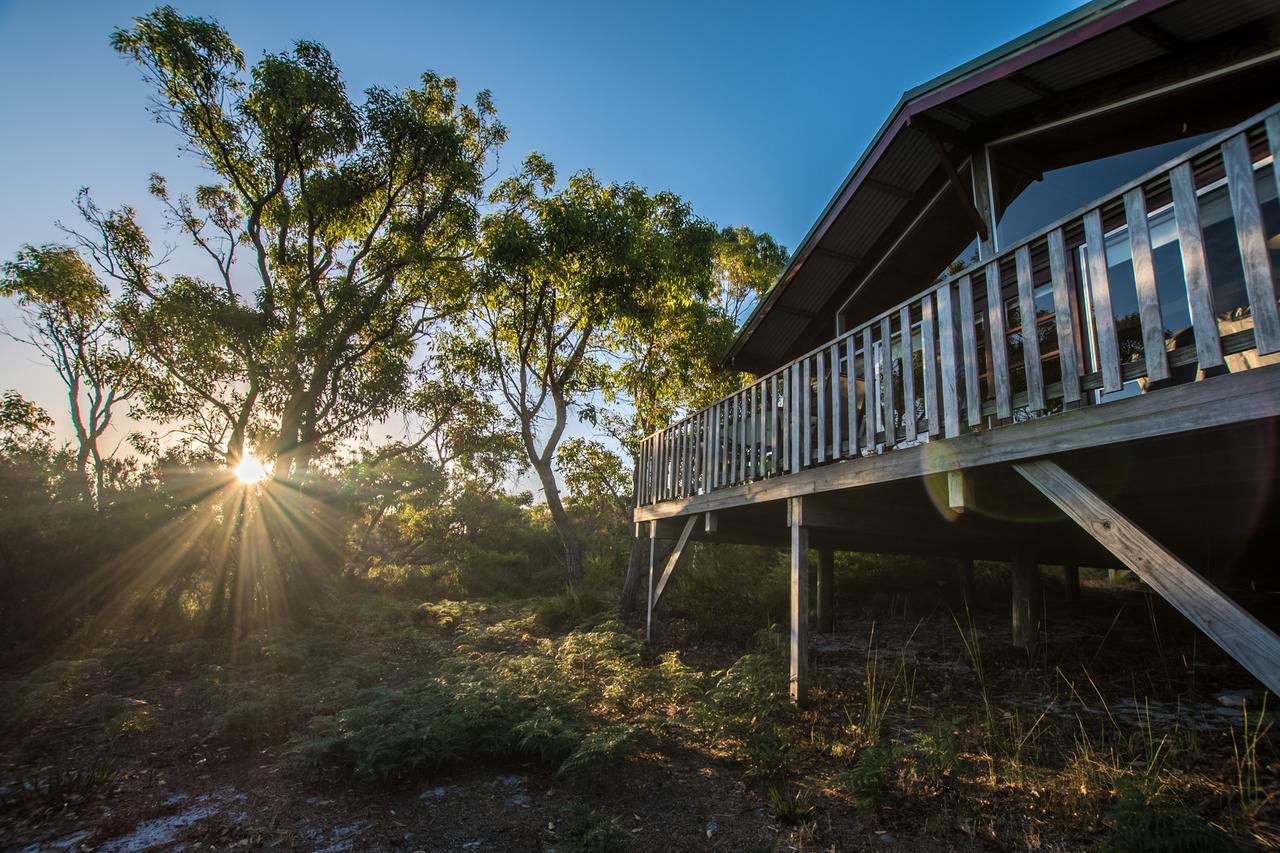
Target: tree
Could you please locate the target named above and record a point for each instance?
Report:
(70, 319)
(672, 365)
(567, 275)
(354, 220)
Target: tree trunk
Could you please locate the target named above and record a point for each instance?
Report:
(564, 526)
(631, 583)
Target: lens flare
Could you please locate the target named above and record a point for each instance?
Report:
(251, 470)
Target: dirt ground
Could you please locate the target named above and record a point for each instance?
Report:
(1116, 661)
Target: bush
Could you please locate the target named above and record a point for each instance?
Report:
(870, 780)
(1149, 820)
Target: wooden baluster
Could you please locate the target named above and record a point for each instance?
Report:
(998, 341)
(1104, 319)
(735, 446)
(929, 359)
(690, 453)
(834, 351)
(1252, 239)
(869, 405)
(760, 430)
(775, 433)
(886, 383)
(851, 391)
(821, 392)
(908, 373)
(1030, 330)
(793, 405)
(641, 474)
(1195, 270)
(950, 363)
(1064, 317)
(969, 343)
(1144, 280)
(806, 423)
(744, 430)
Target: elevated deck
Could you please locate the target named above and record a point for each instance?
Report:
(1155, 324)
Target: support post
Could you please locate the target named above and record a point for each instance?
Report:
(959, 491)
(799, 604)
(1071, 582)
(1026, 599)
(1255, 646)
(826, 590)
(653, 560)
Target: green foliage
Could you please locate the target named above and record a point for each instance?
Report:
(937, 750)
(871, 779)
(792, 805)
(589, 832)
(744, 697)
(729, 588)
(1147, 820)
(769, 755)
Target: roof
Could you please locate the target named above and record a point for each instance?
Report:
(897, 166)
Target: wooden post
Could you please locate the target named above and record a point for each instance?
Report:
(826, 589)
(1255, 646)
(799, 605)
(1071, 581)
(653, 560)
(1026, 599)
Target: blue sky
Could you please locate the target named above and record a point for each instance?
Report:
(753, 112)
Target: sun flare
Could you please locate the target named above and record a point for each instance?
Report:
(251, 470)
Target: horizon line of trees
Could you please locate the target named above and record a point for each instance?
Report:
(369, 263)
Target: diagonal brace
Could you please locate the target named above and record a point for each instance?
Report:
(1228, 624)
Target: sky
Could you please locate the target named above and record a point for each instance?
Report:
(752, 112)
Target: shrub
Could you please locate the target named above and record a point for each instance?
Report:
(1148, 820)
(870, 780)
(791, 805)
(53, 789)
(769, 755)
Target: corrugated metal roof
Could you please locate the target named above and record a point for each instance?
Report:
(1075, 49)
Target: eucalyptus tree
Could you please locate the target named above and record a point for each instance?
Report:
(339, 232)
(672, 365)
(568, 276)
(70, 319)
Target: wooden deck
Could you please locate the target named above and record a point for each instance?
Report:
(950, 380)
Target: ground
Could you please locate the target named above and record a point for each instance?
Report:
(926, 731)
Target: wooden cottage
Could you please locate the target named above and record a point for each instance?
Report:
(1037, 323)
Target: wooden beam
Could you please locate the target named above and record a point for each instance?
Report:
(826, 589)
(1071, 582)
(653, 559)
(960, 490)
(712, 522)
(676, 553)
(839, 256)
(1218, 401)
(799, 675)
(963, 194)
(1238, 632)
(1026, 600)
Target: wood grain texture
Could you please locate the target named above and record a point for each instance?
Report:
(998, 338)
(836, 403)
(820, 392)
(908, 374)
(1213, 402)
(889, 412)
(1064, 316)
(969, 342)
(1104, 318)
(775, 410)
(950, 364)
(850, 354)
(1195, 269)
(1251, 237)
(1030, 330)
(1229, 625)
(869, 391)
(653, 561)
(929, 360)
(799, 675)
(1144, 279)
(674, 558)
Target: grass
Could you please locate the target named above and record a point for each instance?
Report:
(930, 740)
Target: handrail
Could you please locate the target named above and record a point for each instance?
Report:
(832, 402)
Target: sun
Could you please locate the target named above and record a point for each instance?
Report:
(251, 470)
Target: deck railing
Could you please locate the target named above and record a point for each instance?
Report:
(1181, 254)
